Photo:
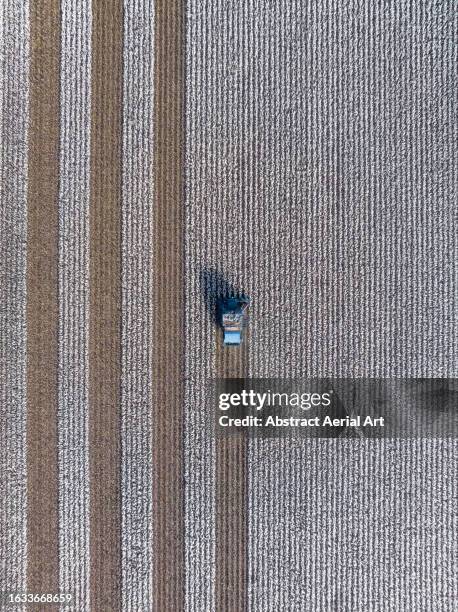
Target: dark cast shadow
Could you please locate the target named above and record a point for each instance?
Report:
(214, 286)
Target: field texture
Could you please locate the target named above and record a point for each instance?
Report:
(154, 156)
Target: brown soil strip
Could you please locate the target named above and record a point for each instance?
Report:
(42, 298)
(168, 303)
(231, 497)
(105, 305)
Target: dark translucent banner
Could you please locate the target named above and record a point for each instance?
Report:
(336, 407)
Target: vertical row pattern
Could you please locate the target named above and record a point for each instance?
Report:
(42, 298)
(168, 312)
(352, 525)
(136, 322)
(14, 65)
(320, 181)
(73, 452)
(201, 288)
(105, 306)
(231, 492)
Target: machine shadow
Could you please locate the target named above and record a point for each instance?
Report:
(214, 286)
